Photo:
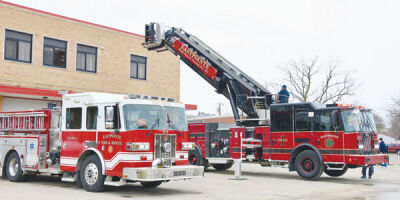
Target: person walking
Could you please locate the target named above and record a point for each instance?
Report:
(283, 95)
(370, 171)
(383, 149)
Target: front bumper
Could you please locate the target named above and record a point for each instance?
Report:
(364, 160)
(163, 174)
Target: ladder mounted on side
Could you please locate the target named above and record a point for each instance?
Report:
(244, 93)
(22, 121)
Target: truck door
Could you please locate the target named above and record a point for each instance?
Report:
(281, 142)
(302, 122)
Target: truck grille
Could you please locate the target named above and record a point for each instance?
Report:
(160, 140)
(368, 143)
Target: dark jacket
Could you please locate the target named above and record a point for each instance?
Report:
(283, 96)
(383, 148)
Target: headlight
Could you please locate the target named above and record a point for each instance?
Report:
(376, 146)
(136, 146)
(188, 146)
(361, 146)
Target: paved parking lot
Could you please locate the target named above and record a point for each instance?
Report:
(262, 183)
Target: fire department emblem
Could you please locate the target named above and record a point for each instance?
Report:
(110, 149)
(329, 143)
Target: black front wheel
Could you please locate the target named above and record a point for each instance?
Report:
(91, 176)
(13, 168)
(195, 158)
(336, 173)
(309, 165)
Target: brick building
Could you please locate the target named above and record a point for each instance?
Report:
(44, 53)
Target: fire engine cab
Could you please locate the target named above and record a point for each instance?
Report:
(307, 137)
(99, 139)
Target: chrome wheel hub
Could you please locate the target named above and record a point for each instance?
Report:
(13, 167)
(91, 174)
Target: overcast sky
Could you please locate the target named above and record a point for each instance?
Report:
(259, 36)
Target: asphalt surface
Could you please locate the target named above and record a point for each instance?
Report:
(263, 183)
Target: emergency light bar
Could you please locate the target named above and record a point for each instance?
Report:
(345, 105)
(138, 96)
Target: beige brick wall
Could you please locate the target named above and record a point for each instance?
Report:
(113, 58)
(1, 103)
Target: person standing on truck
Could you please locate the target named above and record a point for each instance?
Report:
(382, 149)
(283, 95)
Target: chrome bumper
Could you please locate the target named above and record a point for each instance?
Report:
(163, 174)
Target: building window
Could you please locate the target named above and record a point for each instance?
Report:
(138, 67)
(86, 58)
(18, 46)
(54, 52)
(74, 118)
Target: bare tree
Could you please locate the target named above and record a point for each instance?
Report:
(380, 123)
(318, 82)
(394, 117)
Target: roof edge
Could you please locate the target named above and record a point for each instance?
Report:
(69, 18)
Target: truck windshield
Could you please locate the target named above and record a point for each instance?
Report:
(358, 121)
(369, 122)
(142, 117)
(176, 118)
(352, 120)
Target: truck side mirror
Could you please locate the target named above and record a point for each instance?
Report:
(109, 117)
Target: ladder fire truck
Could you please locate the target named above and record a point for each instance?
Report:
(99, 139)
(309, 138)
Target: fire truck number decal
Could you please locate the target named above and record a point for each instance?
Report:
(198, 61)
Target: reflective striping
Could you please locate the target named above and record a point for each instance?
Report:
(68, 161)
(332, 151)
(110, 164)
(118, 158)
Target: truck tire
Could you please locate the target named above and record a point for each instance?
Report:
(195, 158)
(221, 167)
(308, 165)
(336, 173)
(152, 184)
(13, 168)
(91, 176)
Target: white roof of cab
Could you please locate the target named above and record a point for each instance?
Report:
(104, 98)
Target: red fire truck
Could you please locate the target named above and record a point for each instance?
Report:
(309, 138)
(99, 139)
(394, 148)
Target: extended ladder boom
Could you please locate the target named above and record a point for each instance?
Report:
(243, 92)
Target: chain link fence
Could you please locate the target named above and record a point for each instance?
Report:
(394, 159)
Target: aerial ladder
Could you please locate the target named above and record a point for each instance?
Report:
(244, 93)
